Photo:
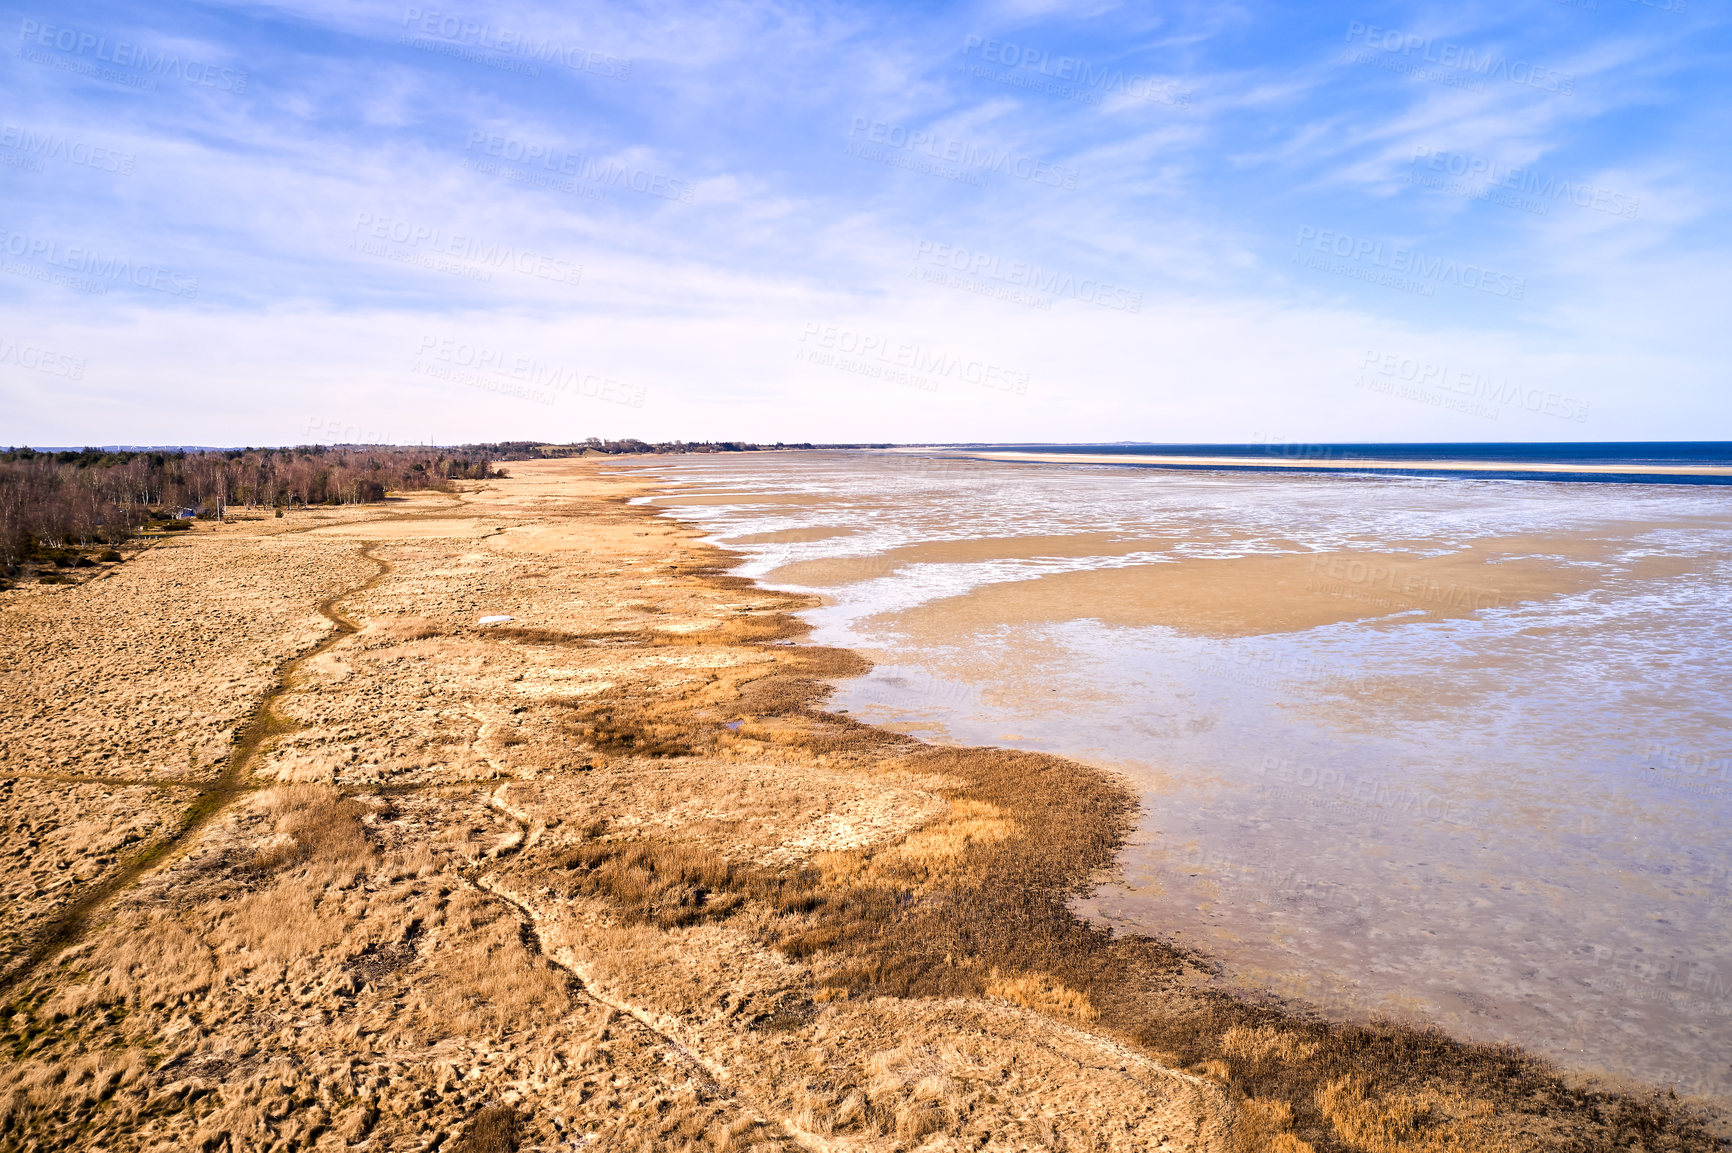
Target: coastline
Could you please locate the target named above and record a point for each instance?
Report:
(1330, 459)
(647, 846)
(1358, 1027)
(1365, 785)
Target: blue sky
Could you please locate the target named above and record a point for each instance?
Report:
(280, 223)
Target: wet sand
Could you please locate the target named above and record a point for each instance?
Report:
(1452, 753)
(1253, 595)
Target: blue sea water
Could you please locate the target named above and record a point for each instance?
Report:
(1630, 462)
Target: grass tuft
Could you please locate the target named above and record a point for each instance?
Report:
(495, 1129)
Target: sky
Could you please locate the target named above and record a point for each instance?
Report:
(284, 223)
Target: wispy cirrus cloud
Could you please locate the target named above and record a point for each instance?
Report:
(670, 190)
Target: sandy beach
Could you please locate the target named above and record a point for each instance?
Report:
(300, 854)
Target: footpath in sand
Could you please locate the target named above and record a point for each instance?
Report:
(299, 854)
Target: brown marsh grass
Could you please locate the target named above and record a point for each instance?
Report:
(973, 904)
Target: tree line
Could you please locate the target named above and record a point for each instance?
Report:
(530, 449)
(79, 498)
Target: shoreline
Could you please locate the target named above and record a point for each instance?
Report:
(1170, 628)
(1250, 998)
(1574, 471)
(631, 799)
(1240, 988)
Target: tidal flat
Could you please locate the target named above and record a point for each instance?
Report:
(1453, 750)
(302, 855)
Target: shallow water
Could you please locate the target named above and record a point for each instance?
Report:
(1498, 805)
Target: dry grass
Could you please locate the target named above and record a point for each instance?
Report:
(1265, 1126)
(69, 1093)
(314, 822)
(494, 1130)
(999, 909)
(534, 636)
(133, 676)
(937, 850)
(1039, 991)
(486, 980)
(974, 905)
(1391, 1124)
(634, 729)
(674, 885)
(404, 629)
(160, 962)
(1265, 1044)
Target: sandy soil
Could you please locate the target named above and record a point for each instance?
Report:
(305, 856)
(149, 671)
(1258, 595)
(362, 947)
(846, 570)
(792, 536)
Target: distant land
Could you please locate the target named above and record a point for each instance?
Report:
(1620, 462)
(1613, 462)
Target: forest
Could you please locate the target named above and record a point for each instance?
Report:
(79, 498)
(56, 500)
